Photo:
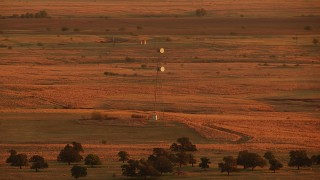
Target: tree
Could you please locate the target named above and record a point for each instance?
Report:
(201, 12)
(123, 156)
(162, 164)
(242, 159)
(13, 154)
(20, 160)
(268, 155)
(146, 169)
(229, 165)
(250, 160)
(130, 169)
(184, 145)
(204, 163)
(192, 160)
(77, 147)
(315, 159)
(92, 159)
(78, 171)
(157, 152)
(315, 41)
(182, 158)
(299, 158)
(71, 153)
(38, 162)
(141, 168)
(275, 165)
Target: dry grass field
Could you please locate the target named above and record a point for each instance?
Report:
(246, 76)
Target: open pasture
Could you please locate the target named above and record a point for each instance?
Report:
(246, 76)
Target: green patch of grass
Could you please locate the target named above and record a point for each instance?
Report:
(64, 128)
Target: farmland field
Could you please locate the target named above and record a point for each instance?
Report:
(244, 77)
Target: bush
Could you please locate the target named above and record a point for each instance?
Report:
(315, 41)
(110, 73)
(96, 115)
(138, 116)
(129, 59)
(308, 28)
(201, 12)
(64, 29)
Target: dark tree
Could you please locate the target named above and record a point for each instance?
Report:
(299, 158)
(243, 159)
(175, 147)
(157, 152)
(38, 162)
(70, 153)
(78, 171)
(256, 160)
(146, 169)
(123, 156)
(162, 164)
(229, 164)
(11, 158)
(77, 147)
(184, 144)
(182, 158)
(130, 169)
(192, 160)
(275, 165)
(250, 160)
(315, 41)
(20, 160)
(268, 155)
(92, 160)
(315, 159)
(204, 163)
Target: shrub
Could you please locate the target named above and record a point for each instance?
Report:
(201, 12)
(129, 59)
(308, 28)
(96, 115)
(138, 116)
(110, 74)
(64, 29)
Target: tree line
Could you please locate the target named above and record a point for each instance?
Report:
(39, 14)
(163, 160)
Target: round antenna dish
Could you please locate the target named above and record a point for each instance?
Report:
(161, 50)
(162, 69)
